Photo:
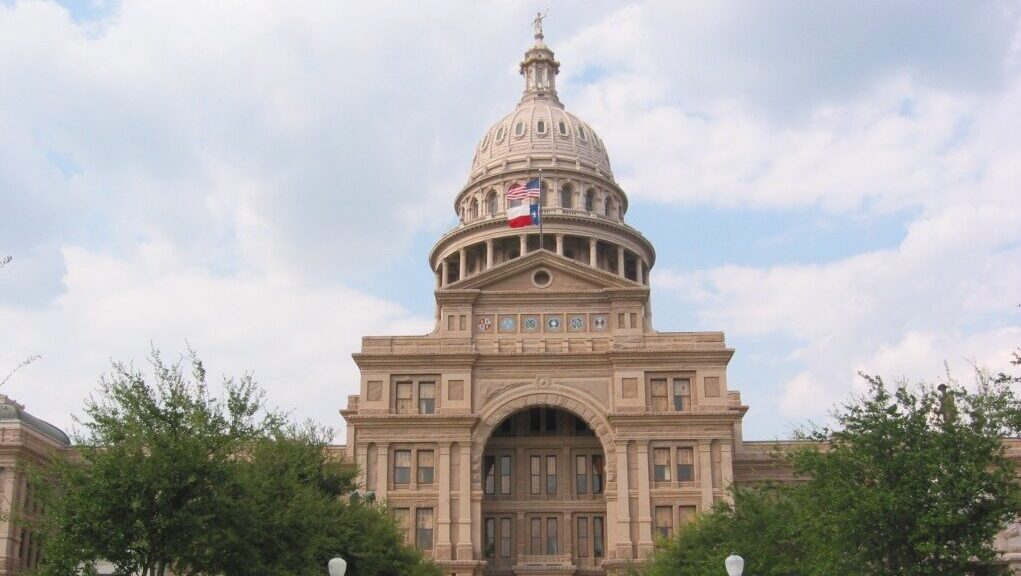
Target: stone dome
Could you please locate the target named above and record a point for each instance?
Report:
(540, 128)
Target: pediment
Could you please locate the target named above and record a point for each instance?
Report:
(564, 273)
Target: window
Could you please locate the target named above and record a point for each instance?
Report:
(427, 398)
(489, 470)
(505, 537)
(424, 528)
(499, 134)
(490, 537)
(551, 420)
(403, 398)
(590, 199)
(581, 474)
(597, 537)
(658, 394)
(581, 132)
(519, 128)
(535, 528)
(535, 474)
(505, 475)
(682, 393)
(473, 210)
(491, 203)
(551, 536)
(685, 465)
(563, 128)
(402, 466)
(664, 521)
(582, 531)
(607, 206)
(566, 196)
(551, 474)
(401, 516)
(541, 127)
(661, 464)
(534, 421)
(425, 467)
(597, 474)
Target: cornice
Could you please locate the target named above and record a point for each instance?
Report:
(550, 170)
(440, 360)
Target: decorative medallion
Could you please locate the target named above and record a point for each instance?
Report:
(485, 324)
(576, 323)
(599, 322)
(530, 323)
(553, 324)
(508, 324)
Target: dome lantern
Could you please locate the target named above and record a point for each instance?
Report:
(540, 68)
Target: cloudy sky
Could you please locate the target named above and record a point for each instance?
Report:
(835, 185)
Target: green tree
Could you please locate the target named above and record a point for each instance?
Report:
(168, 477)
(912, 480)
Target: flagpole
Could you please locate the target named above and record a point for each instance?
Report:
(540, 208)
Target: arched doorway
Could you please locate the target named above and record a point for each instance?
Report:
(543, 478)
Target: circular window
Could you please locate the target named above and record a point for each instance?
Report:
(541, 278)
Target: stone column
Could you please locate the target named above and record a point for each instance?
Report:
(560, 244)
(705, 474)
(382, 471)
(623, 541)
(620, 261)
(523, 244)
(464, 537)
(645, 543)
(463, 267)
(727, 466)
(489, 254)
(592, 251)
(641, 271)
(443, 518)
(362, 459)
(444, 272)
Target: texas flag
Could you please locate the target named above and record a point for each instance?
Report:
(524, 215)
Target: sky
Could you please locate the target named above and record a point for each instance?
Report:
(833, 184)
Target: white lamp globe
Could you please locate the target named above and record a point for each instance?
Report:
(734, 564)
(337, 567)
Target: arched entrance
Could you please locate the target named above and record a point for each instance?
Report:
(543, 473)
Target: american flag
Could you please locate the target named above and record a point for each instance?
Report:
(522, 191)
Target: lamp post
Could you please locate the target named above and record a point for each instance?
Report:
(337, 567)
(734, 564)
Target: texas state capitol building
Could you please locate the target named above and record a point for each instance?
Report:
(544, 427)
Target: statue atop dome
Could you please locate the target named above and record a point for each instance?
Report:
(537, 23)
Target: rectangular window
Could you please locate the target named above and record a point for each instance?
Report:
(490, 537)
(686, 514)
(658, 394)
(536, 536)
(664, 521)
(427, 398)
(505, 475)
(682, 394)
(551, 536)
(582, 531)
(551, 474)
(685, 465)
(401, 517)
(597, 474)
(403, 398)
(489, 469)
(581, 474)
(551, 420)
(534, 420)
(402, 466)
(505, 537)
(425, 467)
(661, 464)
(424, 528)
(535, 474)
(597, 537)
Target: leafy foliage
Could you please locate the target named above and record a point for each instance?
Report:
(909, 481)
(170, 477)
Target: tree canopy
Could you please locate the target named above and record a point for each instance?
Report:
(170, 477)
(910, 480)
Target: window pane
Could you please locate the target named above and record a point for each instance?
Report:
(664, 520)
(403, 404)
(582, 537)
(402, 466)
(401, 516)
(536, 535)
(551, 536)
(551, 420)
(535, 475)
(597, 474)
(490, 472)
(597, 537)
(505, 537)
(581, 474)
(534, 420)
(490, 537)
(685, 464)
(425, 467)
(551, 474)
(682, 393)
(661, 464)
(505, 474)
(427, 397)
(424, 528)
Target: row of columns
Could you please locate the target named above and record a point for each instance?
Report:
(641, 269)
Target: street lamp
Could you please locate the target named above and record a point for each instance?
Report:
(734, 564)
(337, 567)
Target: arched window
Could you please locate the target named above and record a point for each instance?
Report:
(608, 205)
(563, 128)
(499, 134)
(491, 202)
(581, 132)
(519, 128)
(566, 196)
(541, 127)
(473, 210)
(590, 199)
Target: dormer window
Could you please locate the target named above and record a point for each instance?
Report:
(519, 128)
(541, 127)
(581, 132)
(499, 134)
